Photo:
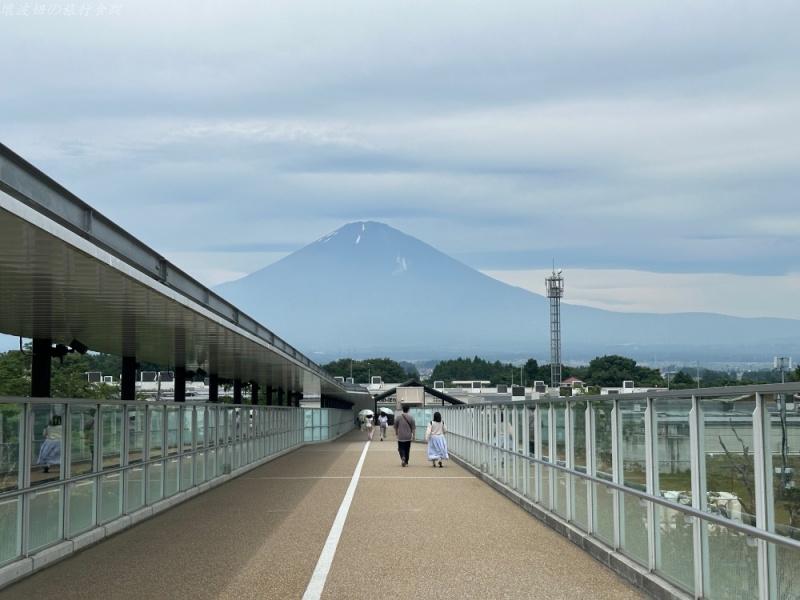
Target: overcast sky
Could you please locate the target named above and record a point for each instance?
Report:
(649, 149)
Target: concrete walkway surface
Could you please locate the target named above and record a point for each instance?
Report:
(413, 532)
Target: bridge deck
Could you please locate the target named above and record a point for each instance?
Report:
(415, 532)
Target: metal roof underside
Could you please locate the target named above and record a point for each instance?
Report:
(67, 272)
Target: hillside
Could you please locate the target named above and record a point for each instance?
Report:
(369, 289)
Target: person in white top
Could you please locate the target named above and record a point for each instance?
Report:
(368, 423)
(437, 444)
(383, 422)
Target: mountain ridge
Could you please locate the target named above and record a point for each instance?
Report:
(370, 288)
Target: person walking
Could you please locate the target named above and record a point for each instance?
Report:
(369, 426)
(50, 451)
(437, 444)
(406, 428)
(383, 422)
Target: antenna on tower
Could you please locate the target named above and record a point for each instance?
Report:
(555, 291)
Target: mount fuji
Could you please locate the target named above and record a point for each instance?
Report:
(370, 290)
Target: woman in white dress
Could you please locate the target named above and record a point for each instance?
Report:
(437, 444)
(50, 451)
(368, 422)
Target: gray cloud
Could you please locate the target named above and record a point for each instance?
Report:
(654, 136)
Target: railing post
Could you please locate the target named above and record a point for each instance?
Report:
(765, 517)
(591, 504)
(617, 476)
(651, 483)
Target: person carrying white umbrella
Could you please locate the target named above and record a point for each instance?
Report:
(368, 423)
(383, 422)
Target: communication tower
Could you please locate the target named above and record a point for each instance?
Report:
(555, 290)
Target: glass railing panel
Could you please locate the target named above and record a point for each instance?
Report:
(156, 416)
(199, 468)
(603, 457)
(784, 442)
(82, 438)
(547, 446)
(673, 450)
(110, 496)
(172, 477)
(46, 517)
(602, 503)
(604, 513)
(732, 564)
(633, 530)
(559, 444)
(727, 432)
(673, 481)
(82, 506)
(533, 434)
(579, 453)
(187, 437)
(10, 529)
(11, 420)
(174, 426)
(112, 432)
(135, 477)
(788, 583)
(212, 420)
(675, 554)
(544, 496)
(137, 429)
(308, 430)
(202, 424)
(232, 423)
(222, 459)
(155, 480)
(544, 431)
(45, 443)
(560, 505)
(186, 472)
(211, 464)
(580, 501)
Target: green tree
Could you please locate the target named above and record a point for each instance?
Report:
(15, 374)
(388, 370)
(67, 377)
(682, 381)
(612, 370)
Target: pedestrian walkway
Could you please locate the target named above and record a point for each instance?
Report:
(415, 532)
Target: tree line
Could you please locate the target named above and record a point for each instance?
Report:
(68, 376)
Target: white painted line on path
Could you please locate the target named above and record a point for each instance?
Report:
(320, 576)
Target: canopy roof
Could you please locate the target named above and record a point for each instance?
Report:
(69, 274)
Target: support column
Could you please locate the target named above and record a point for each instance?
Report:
(128, 384)
(281, 395)
(129, 366)
(41, 368)
(179, 394)
(237, 391)
(269, 392)
(180, 384)
(254, 392)
(213, 387)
